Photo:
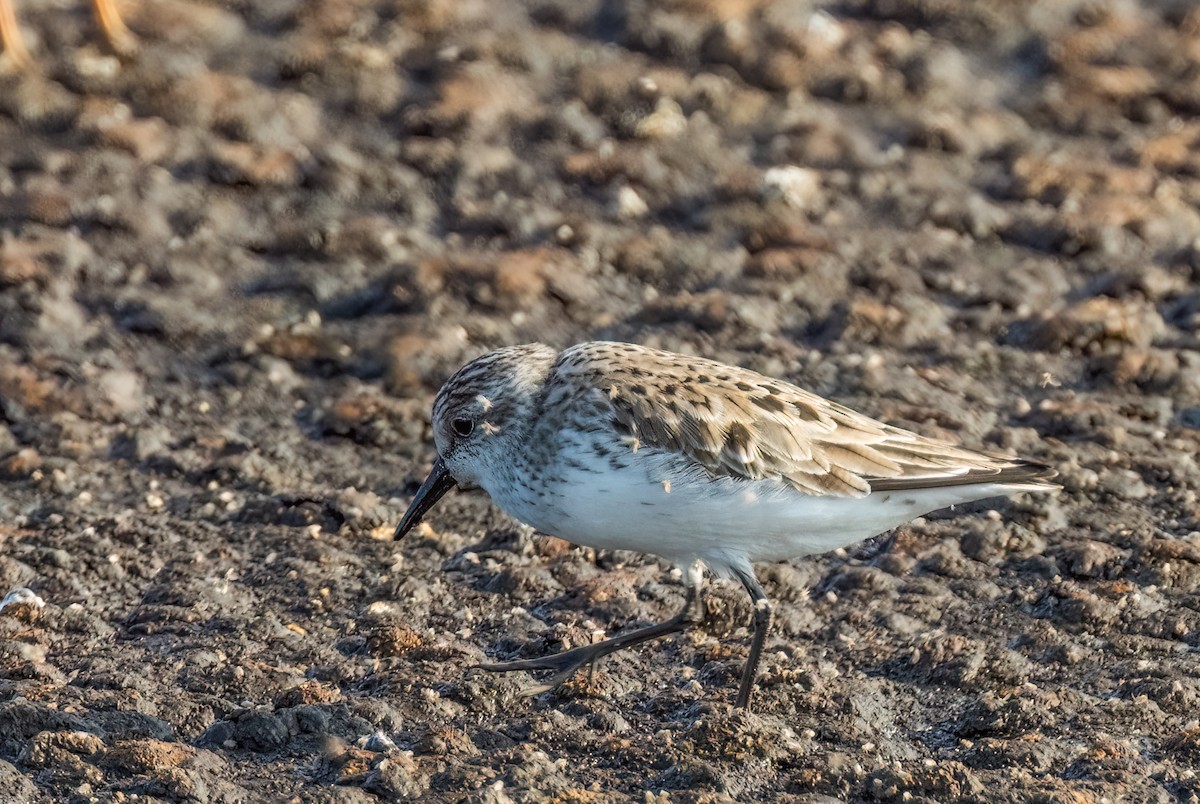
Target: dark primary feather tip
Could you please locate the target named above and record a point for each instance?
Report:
(1019, 473)
(1034, 472)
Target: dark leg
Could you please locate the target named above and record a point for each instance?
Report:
(762, 624)
(567, 662)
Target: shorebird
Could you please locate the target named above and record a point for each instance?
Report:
(619, 446)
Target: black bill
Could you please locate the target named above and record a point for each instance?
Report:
(433, 489)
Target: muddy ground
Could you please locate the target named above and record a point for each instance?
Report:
(236, 265)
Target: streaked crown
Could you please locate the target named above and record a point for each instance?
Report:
(487, 404)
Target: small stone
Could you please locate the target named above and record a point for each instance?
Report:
(145, 756)
(397, 778)
(798, 187)
(21, 465)
(217, 735)
(16, 785)
(1091, 559)
(629, 204)
(46, 747)
(664, 123)
(22, 598)
(261, 732)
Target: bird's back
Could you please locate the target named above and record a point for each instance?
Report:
(737, 423)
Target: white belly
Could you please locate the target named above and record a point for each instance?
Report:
(659, 504)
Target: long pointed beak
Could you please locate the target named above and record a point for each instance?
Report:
(433, 489)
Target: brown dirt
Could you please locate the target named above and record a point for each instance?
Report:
(235, 267)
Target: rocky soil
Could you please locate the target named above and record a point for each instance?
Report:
(236, 265)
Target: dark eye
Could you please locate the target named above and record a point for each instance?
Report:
(462, 427)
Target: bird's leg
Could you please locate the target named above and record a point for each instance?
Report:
(118, 34)
(10, 35)
(762, 624)
(595, 662)
(567, 662)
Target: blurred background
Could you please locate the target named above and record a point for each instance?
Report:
(241, 246)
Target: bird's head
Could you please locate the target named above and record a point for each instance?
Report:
(480, 419)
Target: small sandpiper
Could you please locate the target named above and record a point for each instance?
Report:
(619, 446)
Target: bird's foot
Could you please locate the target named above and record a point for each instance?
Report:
(565, 664)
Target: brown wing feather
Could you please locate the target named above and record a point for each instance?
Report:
(739, 423)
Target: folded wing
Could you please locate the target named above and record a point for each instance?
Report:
(742, 424)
